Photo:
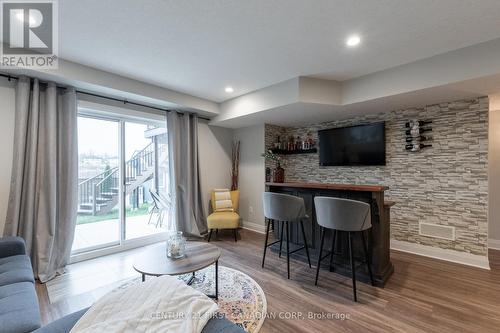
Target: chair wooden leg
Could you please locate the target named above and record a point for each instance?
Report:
(305, 242)
(367, 257)
(210, 235)
(353, 268)
(322, 231)
(235, 235)
(333, 249)
(287, 249)
(281, 238)
(265, 243)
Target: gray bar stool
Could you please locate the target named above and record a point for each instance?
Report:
(285, 209)
(343, 215)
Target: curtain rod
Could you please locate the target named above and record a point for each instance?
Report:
(124, 101)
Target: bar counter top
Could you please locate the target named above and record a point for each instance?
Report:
(328, 186)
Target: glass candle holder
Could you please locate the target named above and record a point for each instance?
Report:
(176, 245)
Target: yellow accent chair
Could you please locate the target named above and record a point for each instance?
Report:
(224, 219)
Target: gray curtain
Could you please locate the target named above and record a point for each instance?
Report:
(43, 192)
(184, 174)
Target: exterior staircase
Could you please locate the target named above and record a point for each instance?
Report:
(100, 194)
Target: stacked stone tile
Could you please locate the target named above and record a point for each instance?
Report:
(446, 184)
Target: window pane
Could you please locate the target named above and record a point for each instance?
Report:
(97, 221)
(146, 179)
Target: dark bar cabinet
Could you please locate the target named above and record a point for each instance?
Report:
(379, 240)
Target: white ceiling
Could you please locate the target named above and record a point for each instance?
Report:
(301, 114)
(199, 47)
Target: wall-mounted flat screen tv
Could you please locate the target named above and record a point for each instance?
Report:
(354, 145)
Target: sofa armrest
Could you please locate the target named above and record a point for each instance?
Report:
(64, 324)
(11, 246)
(219, 324)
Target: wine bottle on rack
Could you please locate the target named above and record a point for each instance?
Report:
(420, 138)
(277, 144)
(416, 131)
(419, 123)
(416, 147)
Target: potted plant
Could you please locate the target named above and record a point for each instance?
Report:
(279, 172)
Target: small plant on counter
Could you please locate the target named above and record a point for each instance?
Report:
(269, 155)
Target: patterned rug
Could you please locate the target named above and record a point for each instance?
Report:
(241, 299)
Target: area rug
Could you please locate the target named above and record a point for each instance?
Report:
(241, 299)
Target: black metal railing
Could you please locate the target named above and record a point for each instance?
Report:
(96, 191)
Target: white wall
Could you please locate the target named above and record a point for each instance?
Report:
(494, 173)
(214, 152)
(252, 175)
(279, 94)
(7, 115)
(94, 80)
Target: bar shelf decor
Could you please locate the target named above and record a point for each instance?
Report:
(295, 145)
(293, 152)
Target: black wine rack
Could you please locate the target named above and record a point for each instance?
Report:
(418, 134)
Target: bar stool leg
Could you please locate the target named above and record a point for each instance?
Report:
(333, 249)
(305, 242)
(322, 231)
(281, 238)
(367, 258)
(265, 244)
(287, 250)
(353, 269)
(210, 235)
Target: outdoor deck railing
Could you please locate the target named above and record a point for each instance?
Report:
(100, 189)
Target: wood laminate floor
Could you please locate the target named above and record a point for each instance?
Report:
(423, 295)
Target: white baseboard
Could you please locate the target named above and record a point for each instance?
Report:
(494, 244)
(442, 254)
(260, 228)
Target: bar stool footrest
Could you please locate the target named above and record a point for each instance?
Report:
(275, 242)
(300, 248)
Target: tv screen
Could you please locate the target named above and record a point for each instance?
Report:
(355, 145)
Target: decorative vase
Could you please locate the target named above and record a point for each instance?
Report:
(268, 175)
(279, 174)
(176, 245)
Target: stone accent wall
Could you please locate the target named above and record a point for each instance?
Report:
(446, 184)
(271, 133)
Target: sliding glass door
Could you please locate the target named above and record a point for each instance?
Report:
(98, 218)
(123, 182)
(146, 169)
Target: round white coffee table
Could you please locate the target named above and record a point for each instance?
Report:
(199, 255)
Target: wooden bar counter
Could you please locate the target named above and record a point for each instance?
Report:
(380, 234)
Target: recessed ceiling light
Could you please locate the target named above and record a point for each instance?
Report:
(353, 40)
(229, 90)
